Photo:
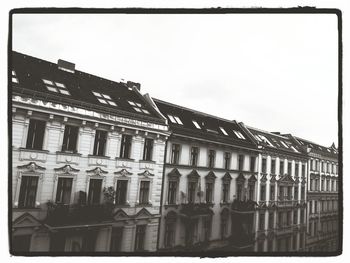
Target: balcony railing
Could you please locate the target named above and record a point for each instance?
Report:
(196, 209)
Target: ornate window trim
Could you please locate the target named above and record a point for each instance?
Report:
(96, 173)
(173, 176)
(123, 175)
(145, 176)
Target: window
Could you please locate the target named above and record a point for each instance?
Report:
(172, 192)
(227, 160)
(175, 153)
(251, 190)
(289, 168)
(70, 138)
(303, 170)
(296, 192)
(223, 223)
(121, 192)
(273, 166)
(144, 192)
(316, 168)
(296, 169)
(140, 237)
(209, 192)
(295, 217)
(284, 144)
(272, 192)
(281, 193)
(56, 87)
(64, 190)
(125, 148)
(328, 167)
(262, 221)
(207, 227)
(100, 143)
(240, 162)
(138, 107)
(35, 137)
(211, 159)
(175, 119)
(14, 77)
(263, 165)
(239, 135)
(252, 163)
(21, 243)
(225, 191)
(271, 219)
(195, 123)
(289, 192)
(116, 239)
(148, 150)
(322, 184)
(302, 216)
(27, 193)
(94, 195)
(262, 192)
(104, 98)
(169, 234)
(223, 131)
(192, 191)
(281, 167)
(194, 156)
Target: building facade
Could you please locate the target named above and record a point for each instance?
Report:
(87, 156)
(322, 212)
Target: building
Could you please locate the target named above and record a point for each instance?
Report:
(280, 224)
(87, 161)
(210, 183)
(322, 193)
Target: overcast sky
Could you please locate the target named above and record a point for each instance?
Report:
(274, 72)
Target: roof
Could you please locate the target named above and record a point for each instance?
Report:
(77, 89)
(192, 123)
(276, 141)
(331, 151)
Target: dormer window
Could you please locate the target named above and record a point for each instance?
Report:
(223, 131)
(175, 119)
(104, 99)
(56, 87)
(14, 77)
(138, 107)
(196, 124)
(239, 134)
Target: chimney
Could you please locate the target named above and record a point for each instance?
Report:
(131, 84)
(66, 66)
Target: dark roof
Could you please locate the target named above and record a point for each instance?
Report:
(31, 71)
(276, 141)
(331, 151)
(209, 125)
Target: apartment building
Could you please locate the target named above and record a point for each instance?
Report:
(87, 161)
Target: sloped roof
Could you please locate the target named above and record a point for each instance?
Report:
(331, 151)
(209, 126)
(31, 71)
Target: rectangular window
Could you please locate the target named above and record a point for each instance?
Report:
(121, 192)
(169, 234)
(172, 192)
(64, 190)
(296, 192)
(289, 218)
(302, 216)
(262, 221)
(227, 160)
(175, 153)
(271, 219)
(192, 191)
(281, 167)
(273, 166)
(35, 137)
(70, 138)
(211, 159)
(194, 156)
(252, 163)
(296, 169)
(104, 98)
(272, 192)
(225, 192)
(251, 191)
(328, 167)
(100, 143)
(240, 162)
(94, 195)
(27, 193)
(195, 123)
(223, 131)
(116, 239)
(140, 237)
(303, 170)
(289, 192)
(175, 119)
(209, 192)
(289, 168)
(144, 192)
(281, 193)
(125, 148)
(148, 150)
(262, 192)
(263, 165)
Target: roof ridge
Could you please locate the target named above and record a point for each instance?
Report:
(271, 133)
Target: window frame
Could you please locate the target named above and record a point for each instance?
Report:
(66, 142)
(148, 147)
(125, 149)
(98, 141)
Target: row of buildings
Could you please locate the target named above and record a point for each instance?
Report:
(99, 167)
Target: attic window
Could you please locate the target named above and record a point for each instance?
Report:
(294, 149)
(56, 87)
(138, 107)
(196, 124)
(264, 139)
(14, 77)
(223, 131)
(239, 134)
(328, 150)
(175, 119)
(104, 99)
(284, 144)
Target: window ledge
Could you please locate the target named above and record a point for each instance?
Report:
(99, 156)
(124, 159)
(18, 209)
(147, 161)
(68, 153)
(121, 205)
(171, 205)
(143, 205)
(33, 150)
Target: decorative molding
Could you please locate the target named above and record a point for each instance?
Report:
(174, 174)
(67, 169)
(123, 172)
(31, 167)
(227, 177)
(240, 178)
(263, 178)
(210, 176)
(193, 175)
(146, 173)
(97, 171)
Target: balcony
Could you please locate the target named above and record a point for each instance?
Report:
(195, 209)
(243, 206)
(284, 230)
(286, 201)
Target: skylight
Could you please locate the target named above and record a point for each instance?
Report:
(175, 119)
(138, 107)
(104, 99)
(14, 77)
(284, 144)
(196, 124)
(223, 131)
(239, 134)
(56, 87)
(264, 139)
(294, 149)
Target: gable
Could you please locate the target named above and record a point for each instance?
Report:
(26, 220)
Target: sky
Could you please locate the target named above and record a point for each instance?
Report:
(276, 72)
